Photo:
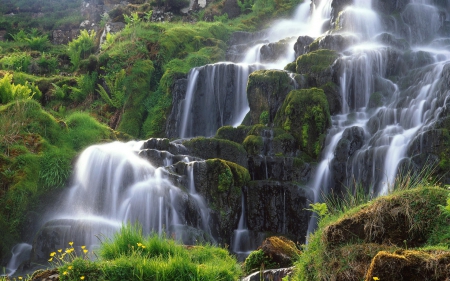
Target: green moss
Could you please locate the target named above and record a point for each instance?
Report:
(231, 133)
(376, 100)
(253, 144)
(315, 62)
(305, 115)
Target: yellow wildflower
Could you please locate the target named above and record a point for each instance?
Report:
(65, 273)
(70, 267)
(50, 259)
(376, 278)
(52, 254)
(85, 251)
(82, 278)
(20, 277)
(143, 247)
(139, 244)
(70, 243)
(60, 250)
(83, 247)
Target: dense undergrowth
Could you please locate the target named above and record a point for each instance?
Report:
(56, 100)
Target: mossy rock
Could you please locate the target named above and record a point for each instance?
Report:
(253, 144)
(209, 148)
(305, 115)
(221, 182)
(231, 133)
(411, 265)
(406, 218)
(266, 91)
(317, 66)
(274, 252)
(400, 228)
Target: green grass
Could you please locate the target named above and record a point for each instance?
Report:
(131, 256)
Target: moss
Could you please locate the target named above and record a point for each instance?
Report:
(253, 144)
(315, 62)
(266, 89)
(305, 114)
(231, 133)
(291, 67)
(376, 100)
(208, 148)
(257, 260)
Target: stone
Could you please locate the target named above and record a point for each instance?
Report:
(301, 44)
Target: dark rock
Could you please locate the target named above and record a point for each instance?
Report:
(318, 66)
(279, 168)
(179, 89)
(335, 42)
(273, 51)
(336, 7)
(277, 207)
(165, 145)
(301, 44)
(63, 37)
(231, 8)
(391, 40)
(281, 250)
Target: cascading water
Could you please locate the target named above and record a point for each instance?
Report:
(385, 133)
(113, 186)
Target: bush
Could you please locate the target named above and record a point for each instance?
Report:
(81, 47)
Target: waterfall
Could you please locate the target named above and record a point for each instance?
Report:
(114, 186)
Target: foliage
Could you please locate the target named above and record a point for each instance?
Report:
(131, 256)
(16, 62)
(264, 117)
(10, 91)
(116, 87)
(81, 47)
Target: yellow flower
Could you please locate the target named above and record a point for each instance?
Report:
(82, 278)
(143, 247)
(70, 243)
(376, 278)
(50, 259)
(60, 250)
(85, 251)
(83, 247)
(139, 244)
(70, 267)
(65, 273)
(20, 277)
(52, 254)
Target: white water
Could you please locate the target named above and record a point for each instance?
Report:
(20, 253)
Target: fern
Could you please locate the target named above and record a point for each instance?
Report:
(117, 88)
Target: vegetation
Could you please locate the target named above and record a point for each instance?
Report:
(358, 237)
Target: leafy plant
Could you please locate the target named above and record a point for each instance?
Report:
(116, 87)
(81, 47)
(10, 91)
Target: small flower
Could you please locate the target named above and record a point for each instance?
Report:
(82, 278)
(60, 250)
(50, 259)
(70, 267)
(376, 278)
(83, 247)
(65, 273)
(143, 247)
(85, 251)
(20, 278)
(71, 243)
(139, 244)
(52, 254)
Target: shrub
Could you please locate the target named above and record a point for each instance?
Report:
(81, 47)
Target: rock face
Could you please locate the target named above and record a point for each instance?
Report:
(277, 207)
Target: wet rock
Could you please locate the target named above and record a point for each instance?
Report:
(301, 44)
(240, 42)
(318, 66)
(335, 42)
(220, 183)
(305, 115)
(336, 7)
(273, 51)
(179, 89)
(423, 21)
(281, 250)
(164, 145)
(209, 148)
(391, 40)
(277, 207)
(279, 168)
(45, 275)
(231, 8)
(266, 91)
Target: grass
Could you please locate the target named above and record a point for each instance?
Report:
(356, 227)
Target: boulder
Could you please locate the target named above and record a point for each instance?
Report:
(301, 45)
